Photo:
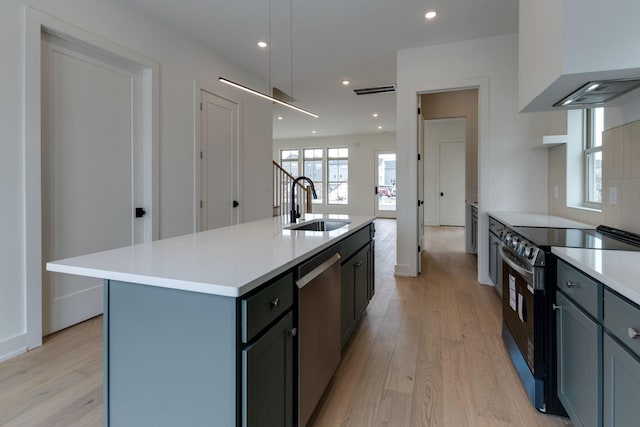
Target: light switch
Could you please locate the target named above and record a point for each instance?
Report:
(613, 195)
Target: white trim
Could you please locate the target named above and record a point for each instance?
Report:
(13, 346)
(221, 91)
(35, 23)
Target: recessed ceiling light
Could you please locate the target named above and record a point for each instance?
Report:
(375, 114)
(313, 131)
(345, 82)
(379, 127)
(431, 14)
(262, 44)
(280, 117)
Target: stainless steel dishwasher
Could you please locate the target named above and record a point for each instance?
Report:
(319, 342)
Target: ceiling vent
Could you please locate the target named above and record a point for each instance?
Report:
(598, 92)
(375, 89)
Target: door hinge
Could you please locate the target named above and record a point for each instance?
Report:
(418, 110)
(419, 248)
(418, 203)
(200, 204)
(201, 106)
(201, 154)
(419, 157)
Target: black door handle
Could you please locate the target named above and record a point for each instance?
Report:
(441, 194)
(235, 204)
(140, 212)
(375, 191)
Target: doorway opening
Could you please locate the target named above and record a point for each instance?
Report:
(385, 184)
(449, 128)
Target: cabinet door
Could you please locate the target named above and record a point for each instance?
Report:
(371, 271)
(267, 377)
(578, 359)
(361, 280)
(621, 385)
(347, 303)
(474, 234)
(493, 258)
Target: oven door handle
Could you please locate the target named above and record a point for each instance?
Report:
(520, 270)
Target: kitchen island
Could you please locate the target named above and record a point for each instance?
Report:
(201, 329)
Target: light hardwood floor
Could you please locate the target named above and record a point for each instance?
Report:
(427, 353)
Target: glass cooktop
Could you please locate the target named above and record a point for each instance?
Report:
(573, 238)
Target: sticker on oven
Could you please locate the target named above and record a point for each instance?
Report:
(512, 292)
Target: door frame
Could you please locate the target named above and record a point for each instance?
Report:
(35, 23)
(376, 211)
(216, 89)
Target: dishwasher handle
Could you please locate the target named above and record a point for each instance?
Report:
(307, 278)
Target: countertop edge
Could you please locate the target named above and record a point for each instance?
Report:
(535, 219)
(66, 266)
(615, 284)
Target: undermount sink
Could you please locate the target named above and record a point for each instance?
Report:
(319, 225)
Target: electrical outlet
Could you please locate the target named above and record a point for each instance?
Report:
(613, 195)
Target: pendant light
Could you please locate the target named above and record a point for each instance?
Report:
(264, 95)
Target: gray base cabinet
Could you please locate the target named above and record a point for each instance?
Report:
(621, 385)
(578, 363)
(495, 259)
(267, 378)
(357, 283)
(598, 352)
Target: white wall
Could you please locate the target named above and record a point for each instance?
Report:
(434, 132)
(510, 175)
(362, 150)
(182, 60)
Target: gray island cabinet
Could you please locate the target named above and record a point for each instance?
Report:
(191, 352)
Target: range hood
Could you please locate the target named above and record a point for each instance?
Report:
(596, 93)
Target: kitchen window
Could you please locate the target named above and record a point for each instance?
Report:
(289, 160)
(593, 126)
(312, 160)
(338, 176)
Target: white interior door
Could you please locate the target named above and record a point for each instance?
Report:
(452, 182)
(219, 162)
(385, 183)
(91, 170)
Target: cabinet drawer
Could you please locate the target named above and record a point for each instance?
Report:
(261, 309)
(580, 288)
(353, 243)
(622, 319)
(495, 226)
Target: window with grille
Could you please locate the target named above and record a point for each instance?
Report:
(337, 176)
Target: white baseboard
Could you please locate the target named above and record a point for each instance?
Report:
(11, 347)
(403, 270)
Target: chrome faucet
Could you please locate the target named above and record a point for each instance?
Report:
(295, 209)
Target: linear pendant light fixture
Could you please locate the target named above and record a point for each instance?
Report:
(265, 96)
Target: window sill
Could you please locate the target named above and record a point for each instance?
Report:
(585, 208)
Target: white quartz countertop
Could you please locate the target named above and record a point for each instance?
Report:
(228, 261)
(526, 219)
(618, 270)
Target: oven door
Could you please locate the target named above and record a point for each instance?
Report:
(518, 303)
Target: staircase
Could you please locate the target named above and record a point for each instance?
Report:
(282, 193)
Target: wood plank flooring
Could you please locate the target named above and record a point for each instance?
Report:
(427, 353)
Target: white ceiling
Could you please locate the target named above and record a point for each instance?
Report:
(333, 40)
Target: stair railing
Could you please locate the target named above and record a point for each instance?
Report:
(282, 193)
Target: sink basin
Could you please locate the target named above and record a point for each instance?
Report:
(319, 225)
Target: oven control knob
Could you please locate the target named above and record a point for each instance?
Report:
(528, 252)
